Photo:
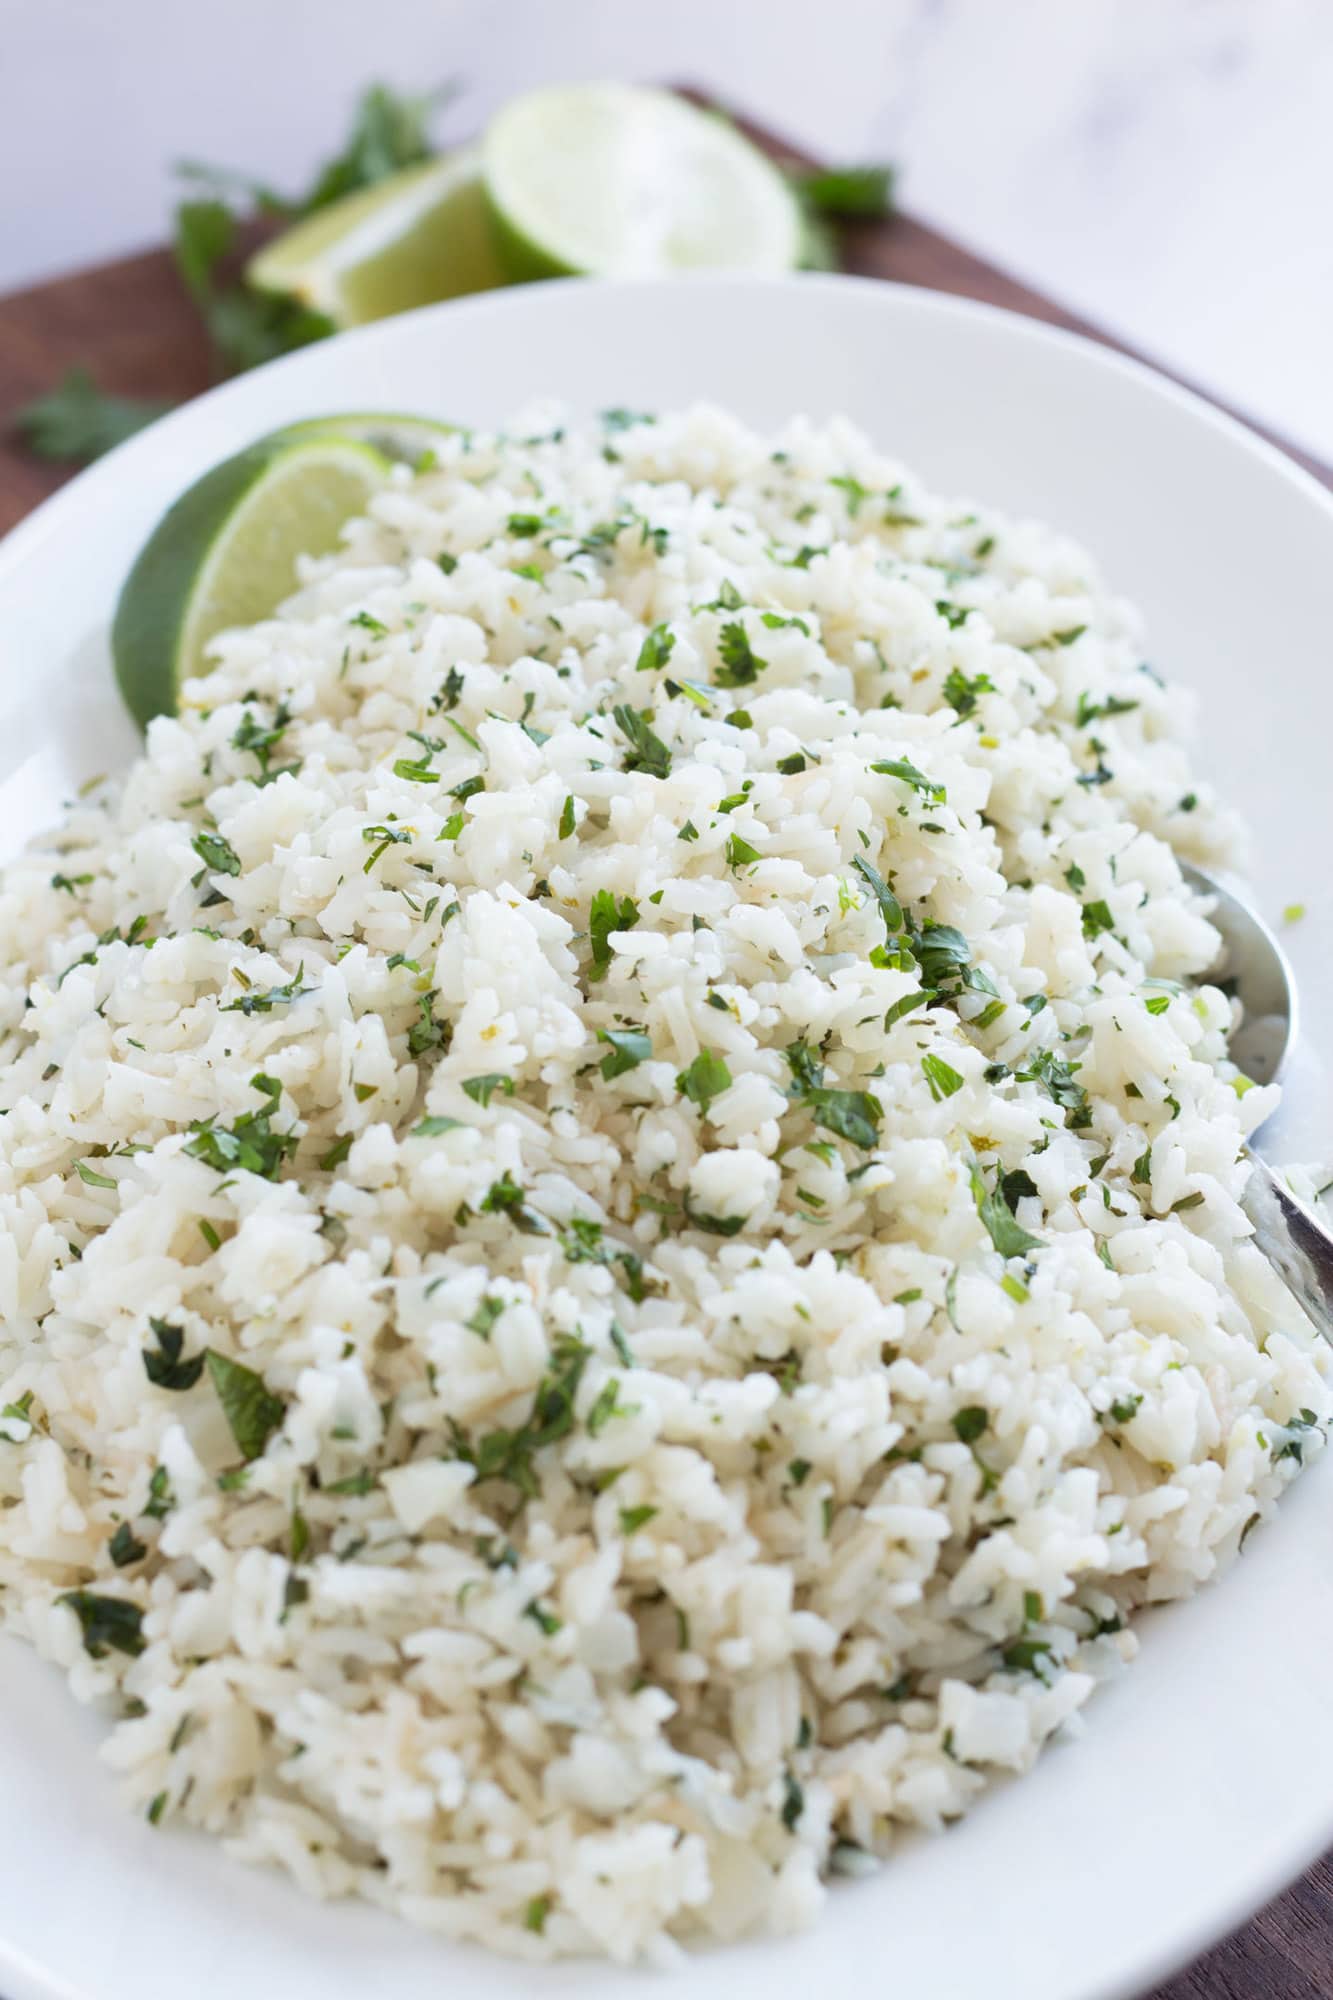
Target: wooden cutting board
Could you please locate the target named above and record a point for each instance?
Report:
(131, 324)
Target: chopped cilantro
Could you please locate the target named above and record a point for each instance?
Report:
(217, 853)
(253, 1414)
(647, 751)
(942, 1078)
(740, 664)
(165, 1366)
(629, 1047)
(110, 1624)
(657, 648)
(605, 916)
(706, 1078)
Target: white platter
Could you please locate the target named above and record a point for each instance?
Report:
(1206, 1775)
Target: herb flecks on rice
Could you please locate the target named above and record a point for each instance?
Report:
(619, 1192)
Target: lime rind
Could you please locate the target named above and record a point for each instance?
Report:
(396, 435)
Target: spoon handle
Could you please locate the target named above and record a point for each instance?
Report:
(1295, 1242)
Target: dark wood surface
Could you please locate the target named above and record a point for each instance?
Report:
(132, 326)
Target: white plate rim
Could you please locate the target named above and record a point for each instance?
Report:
(1307, 1833)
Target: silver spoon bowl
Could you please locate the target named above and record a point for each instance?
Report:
(1290, 1235)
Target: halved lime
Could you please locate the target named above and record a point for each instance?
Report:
(620, 180)
(225, 554)
(421, 235)
(405, 439)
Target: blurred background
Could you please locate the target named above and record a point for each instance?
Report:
(1161, 166)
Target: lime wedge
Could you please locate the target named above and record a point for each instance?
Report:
(622, 181)
(225, 554)
(421, 235)
(405, 439)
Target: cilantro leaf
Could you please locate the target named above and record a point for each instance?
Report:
(606, 915)
(904, 769)
(110, 1624)
(629, 1047)
(481, 1089)
(647, 751)
(511, 1454)
(217, 853)
(848, 193)
(705, 1078)
(252, 1413)
(852, 1114)
(77, 422)
(740, 664)
(963, 691)
(165, 1366)
(1008, 1236)
(889, 906)
(656, 650)
(251, 1143)
(943, 1079)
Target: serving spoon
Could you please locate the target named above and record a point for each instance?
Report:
(1293, 1239)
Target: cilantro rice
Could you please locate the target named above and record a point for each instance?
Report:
(621, 1261)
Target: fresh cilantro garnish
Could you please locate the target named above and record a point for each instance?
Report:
(488, 1310)
(647, 751)
(622, 420)
(963, 691)
(1089, 710)
(1057, 1077)
(584, 1243)
(1008, 1236)
(629, 1047)
(847, 193)
(505, 1197)
(110, 1624)
(511, 1454)
(165, 1365)
(276, 996)
(253, 1414)
(656, 649)
(416, 770)
(381, 837)
(426, 1032)
(852, 1114)
(853, 492)
(250, 1144)
(261, 739)
(942, 1078)
(606, 915)
(125, 1547)
(889, 906)
(739, 663)
(217, 853)
(481, 1089)
(76, 421)
(904, 769)
(705, 1078)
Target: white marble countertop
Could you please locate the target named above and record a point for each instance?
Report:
(1160, 165)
